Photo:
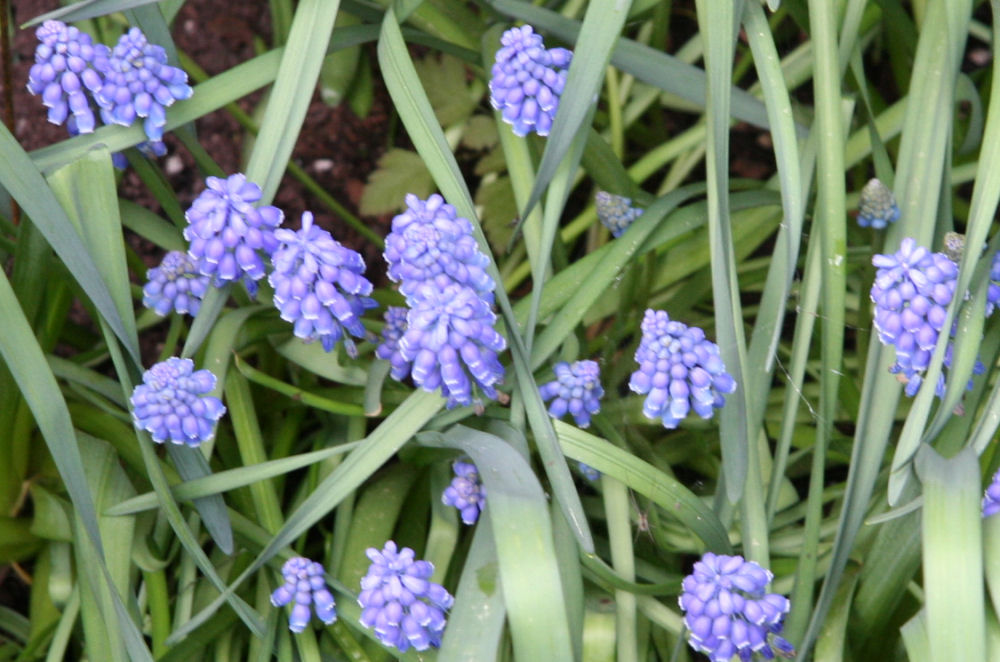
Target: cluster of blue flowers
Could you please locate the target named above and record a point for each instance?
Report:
(449, 341)
(130, 81)
(230, 236)
(577, 390)
(527, 80)
(399, 601)
(319, 286)
(175, 285)
(466, 492)
(615, 212)
(727, 611)
(911, 292)
(877, 207)
(679, 370)
(171, 404)
(304, 583)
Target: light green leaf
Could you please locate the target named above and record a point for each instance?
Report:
(443, 76)
(399, 172)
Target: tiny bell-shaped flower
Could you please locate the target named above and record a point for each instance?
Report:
(230, 237)
(527, 81)
(319, 285)
(615, 212)
(305, 585)
(171, 404)
(577, 390)
(728, 613)
(399, 601)
(679, 370)
(466, 492)
(64, 73)
(175, 285)
(877, 208)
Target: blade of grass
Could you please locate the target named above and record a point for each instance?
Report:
(952, 555)
(528, 571)
(292, 93)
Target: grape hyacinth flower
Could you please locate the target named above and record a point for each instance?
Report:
(174, 285)
(727, 611)
(466, 492)
(64, 72)
(991, 498)
(615, 212)
(229, 235)
(589, 472)
(400, 602)
(911, 293)
(305, 585)
(877, 208)
(577, 390)
(430, 239)
(993, 291)
(319, 285)
(138, 82)
(392, 333)
(679, 370)
(171, 404)
(527, 81)
(450, 337)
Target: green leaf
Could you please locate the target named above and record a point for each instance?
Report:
(399, 172)
(480, 133)
(292, 93)
(499, 212)
(522, 531)
(443, 76)
(23, 181)
(80, 11)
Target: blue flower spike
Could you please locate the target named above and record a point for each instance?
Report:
(138, 83)
(171, 404)
(576, 390)
(392, 333)
(615, 212)
(399, 601)
(451, 342)
(589, 472)
(727, 611)
(877, 208)
(305, 585)
(679, 370)
(466, 492)
(991, 498)
(430, 239)
(175, 285)
(911, 293)
(229, 235)
(527, 80)
(319, 286)
(64, 74)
